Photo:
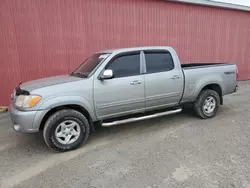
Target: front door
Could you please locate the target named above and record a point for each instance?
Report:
(163, 80)
(123, 94)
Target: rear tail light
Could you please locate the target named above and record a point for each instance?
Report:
(237, 73)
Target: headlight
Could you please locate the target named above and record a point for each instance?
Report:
(27, 101)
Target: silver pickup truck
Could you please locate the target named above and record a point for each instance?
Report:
(118, 86)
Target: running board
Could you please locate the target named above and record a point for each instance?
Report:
(141, 118)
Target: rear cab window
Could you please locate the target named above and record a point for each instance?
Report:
(158, 61)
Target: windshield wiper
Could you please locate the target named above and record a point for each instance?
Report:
(78, 74)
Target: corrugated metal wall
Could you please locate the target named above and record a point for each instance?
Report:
(51, 37)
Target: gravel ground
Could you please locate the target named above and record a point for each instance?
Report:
(173, 151)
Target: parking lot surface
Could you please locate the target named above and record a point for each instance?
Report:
(173, 151)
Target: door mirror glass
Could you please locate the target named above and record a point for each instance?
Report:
(107, 74)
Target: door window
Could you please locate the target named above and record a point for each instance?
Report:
(126, 65)
(158, 62)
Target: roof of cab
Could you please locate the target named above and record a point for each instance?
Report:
(119, 50)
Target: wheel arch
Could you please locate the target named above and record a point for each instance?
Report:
(76, 107)
(215, 87)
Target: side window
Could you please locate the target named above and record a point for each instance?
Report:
(158, 62)
(127, 65)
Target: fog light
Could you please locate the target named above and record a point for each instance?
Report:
(17, 128)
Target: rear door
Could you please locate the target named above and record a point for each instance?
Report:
(163, 80)
(123, 94)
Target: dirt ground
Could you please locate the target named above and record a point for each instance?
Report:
(173, 151)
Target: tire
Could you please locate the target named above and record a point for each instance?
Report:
(200, 107)
(66, 118)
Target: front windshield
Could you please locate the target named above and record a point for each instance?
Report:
(89, 64)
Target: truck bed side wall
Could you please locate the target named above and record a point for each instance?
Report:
(198, 78)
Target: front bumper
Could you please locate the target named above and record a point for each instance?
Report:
(26, 121)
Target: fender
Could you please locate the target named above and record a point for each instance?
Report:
(69, 100)
(210, 79)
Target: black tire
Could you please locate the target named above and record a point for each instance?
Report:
(54, 121)
(198, 105)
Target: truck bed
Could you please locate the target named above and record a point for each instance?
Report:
(197, 75)
(203, 65)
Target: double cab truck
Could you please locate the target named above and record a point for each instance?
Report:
(118, 86)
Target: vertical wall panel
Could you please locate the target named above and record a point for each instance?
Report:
(9, 56)
(51, 37)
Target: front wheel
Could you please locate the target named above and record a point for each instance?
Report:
(207, 104)
(66, 130)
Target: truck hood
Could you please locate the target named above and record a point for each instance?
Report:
(45, 82)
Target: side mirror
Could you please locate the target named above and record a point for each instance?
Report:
(107, 74)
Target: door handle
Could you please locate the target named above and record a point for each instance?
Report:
(135, 82)
(175, 77)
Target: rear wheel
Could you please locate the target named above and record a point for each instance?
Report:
(66, 130)
(207, 104)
